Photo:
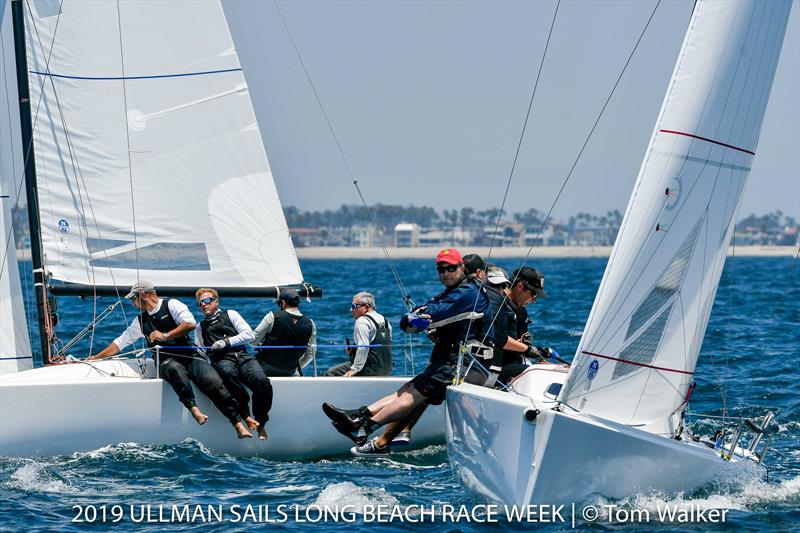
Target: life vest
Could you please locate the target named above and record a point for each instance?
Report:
(379, 358)
(287, 330)
(162, 321)
(218, 327)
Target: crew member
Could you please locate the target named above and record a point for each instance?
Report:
(372, 333)
(226, 334)
(167, 323)
(288, 337)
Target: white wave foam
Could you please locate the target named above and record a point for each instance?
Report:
(750, 496)
(34, 477)
(290, 489)
(347, 493)
(132, 450)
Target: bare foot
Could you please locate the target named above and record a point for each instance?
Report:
(241, 431)
(251, 422)
(262, 433)
(198, 415)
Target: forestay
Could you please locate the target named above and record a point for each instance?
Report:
(149, 158)
(637, 356)
(15, 346)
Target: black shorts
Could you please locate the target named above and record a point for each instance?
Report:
(433, 382)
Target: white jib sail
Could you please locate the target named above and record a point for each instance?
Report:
(15, 345)
(637, 356)
(150, 162)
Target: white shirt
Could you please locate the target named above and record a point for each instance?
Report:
(177, 309)
(265, 326)
(244, 332)
(364, 332)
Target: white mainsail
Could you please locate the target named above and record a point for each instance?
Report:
(637, 356)
(149, 159)
(15, 345)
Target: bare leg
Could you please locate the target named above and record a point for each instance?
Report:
(198, 415)
(393, 429)
(400, 408)
(376, 407)
(241, 430)
(251, 422)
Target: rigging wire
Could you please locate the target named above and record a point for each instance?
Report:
(513, 167)
(406, 298)
(585, 144)
(524, 127)
(76, 168)
(408, 302)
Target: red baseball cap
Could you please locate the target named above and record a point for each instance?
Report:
(450, 256)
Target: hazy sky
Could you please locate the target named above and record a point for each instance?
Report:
(428, 101)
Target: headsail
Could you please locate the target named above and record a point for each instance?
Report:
(639, 349)
(15, 345)
(150, 162)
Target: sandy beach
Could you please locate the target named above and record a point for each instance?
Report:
(539, 251)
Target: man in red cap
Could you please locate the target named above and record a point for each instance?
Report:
(450, 318)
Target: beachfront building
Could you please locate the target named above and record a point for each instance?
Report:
(406, 235)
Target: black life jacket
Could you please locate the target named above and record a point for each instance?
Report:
(219, 327)
(287, 330)
(379, 359)
(162, 321)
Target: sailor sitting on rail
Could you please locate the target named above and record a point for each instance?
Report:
(166, 323)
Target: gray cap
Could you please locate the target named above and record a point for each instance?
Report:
(139, 288)
(496, 276)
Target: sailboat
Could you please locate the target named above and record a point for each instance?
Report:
(612, 423)
(142, 159)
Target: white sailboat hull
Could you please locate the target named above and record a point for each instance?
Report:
(561, 458)
(78, 407)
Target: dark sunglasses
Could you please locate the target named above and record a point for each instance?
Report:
(441, 269)
(353, 307)
(206, 301)
(134, 298)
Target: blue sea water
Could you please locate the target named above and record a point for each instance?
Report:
(749, 362)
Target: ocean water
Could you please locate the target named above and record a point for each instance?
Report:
(749, 363)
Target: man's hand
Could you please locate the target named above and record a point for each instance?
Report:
(157, 336)
(526, 338)
(349, 374)
(220, 345)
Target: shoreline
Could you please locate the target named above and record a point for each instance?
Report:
(344, 252)
(554, 252)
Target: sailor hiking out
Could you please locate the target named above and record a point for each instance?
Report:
(166, 323)
(449, 318)
(227, 334)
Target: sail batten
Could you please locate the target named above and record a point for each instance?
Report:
(637, 356)
(149, 157)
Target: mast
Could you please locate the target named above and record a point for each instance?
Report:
(32, 194)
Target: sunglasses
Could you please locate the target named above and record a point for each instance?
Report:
(353, 307)
(441, 269)
(206, 301)
(134, 298)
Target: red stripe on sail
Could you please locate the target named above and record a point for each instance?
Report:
(638, 364)
(708, 140)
